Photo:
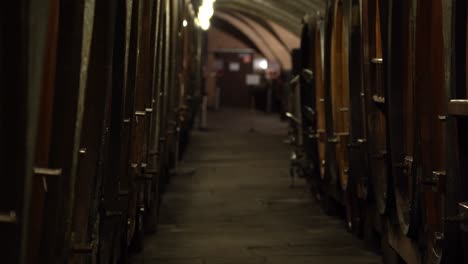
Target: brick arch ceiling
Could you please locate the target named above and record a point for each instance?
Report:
(266, 41)
(275, 43)
(286, 13)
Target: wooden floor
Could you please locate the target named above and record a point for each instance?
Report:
(238, 208)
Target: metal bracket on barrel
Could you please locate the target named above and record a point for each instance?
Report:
(436, 181)
(313, 135)
(139, 114)
(47, 172)
(462, 216)
(344, 109)
(358, 144)
(134, 168)
(377, 60)
(378, 99)
(82, 151)
(310, 113)
(294, 80)
(442, 118)
(406, 166)
(293, 118)
(463, 209)
(308, 75)
(147, 174)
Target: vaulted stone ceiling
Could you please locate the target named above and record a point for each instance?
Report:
(287, 13)
(268, 43)
(274, 26)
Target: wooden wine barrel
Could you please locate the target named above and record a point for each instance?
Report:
(165, 107)
(150, 173)
(44, 130)
(456, 61)
(401, 107)
(149, 177)
(25, 78)
(114, 204)
(91, 207)
(161, 103)
(173, 84)
(126, 170)
(358, 174)
(430, 112)
(339, 111)
(463, 206)
(308, 95)
(130, 164)
(330, 164)
(76, 23)
(138, 90)
(339, 92)
(374, 30)
(318, 39)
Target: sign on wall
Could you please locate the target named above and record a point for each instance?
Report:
(234, 66)
(252, 79)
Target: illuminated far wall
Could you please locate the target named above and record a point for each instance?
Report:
(218, 40)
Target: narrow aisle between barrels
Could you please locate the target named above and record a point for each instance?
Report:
(238, 206)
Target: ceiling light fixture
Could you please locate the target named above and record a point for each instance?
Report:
(205, 12)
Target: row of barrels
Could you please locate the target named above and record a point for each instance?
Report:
(383, 106)
(96, 98)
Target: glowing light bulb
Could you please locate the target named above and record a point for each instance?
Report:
(263, 64)
(205, 12)
(205, 24)
(184, 23)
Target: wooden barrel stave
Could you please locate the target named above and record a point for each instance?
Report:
(44, 130)
(339, 93)
(373, 57)
(358, 175)
(455, 40)
(138, 89)
(430, 129)
(320, 97)
(401, 115)
(91, 209)
(349, 178)
(73, 50)
(308, 107)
